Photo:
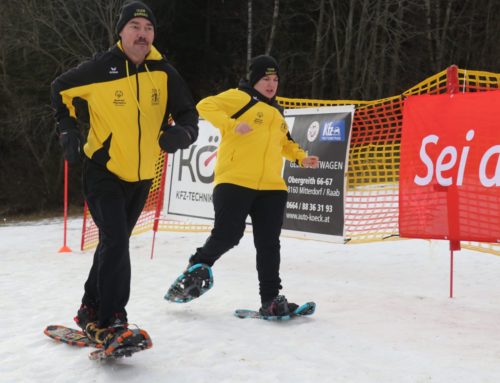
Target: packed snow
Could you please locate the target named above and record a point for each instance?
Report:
(383, 313)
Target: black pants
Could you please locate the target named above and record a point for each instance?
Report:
(232, 205)
(115, 206)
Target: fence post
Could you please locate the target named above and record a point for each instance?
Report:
(159, 204)
(84, 225)
(452, 193)
(452, 80)
(65, 248)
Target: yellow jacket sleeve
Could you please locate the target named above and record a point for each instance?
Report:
(219, 109)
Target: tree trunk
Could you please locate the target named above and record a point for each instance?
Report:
(318, 48)
(249, 35)
(274, 23)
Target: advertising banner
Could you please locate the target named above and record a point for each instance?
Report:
(315, 207)
(190, 173)
(449, 185)
(316, 196)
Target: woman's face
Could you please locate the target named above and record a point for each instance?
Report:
(267, 85)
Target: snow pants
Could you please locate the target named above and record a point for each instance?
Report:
(115, 206)
(232, 205)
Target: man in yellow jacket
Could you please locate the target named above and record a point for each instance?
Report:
(129, 93)
(248, 181)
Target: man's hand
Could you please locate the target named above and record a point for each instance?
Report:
(71, 143)
(174, 138)
(311, 162)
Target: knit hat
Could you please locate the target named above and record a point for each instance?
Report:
(261, 66)
(134, 9)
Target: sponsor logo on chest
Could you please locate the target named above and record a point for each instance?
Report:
(119, 100)
(155, 96)
(259, 118)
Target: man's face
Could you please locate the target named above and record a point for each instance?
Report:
(137, 37)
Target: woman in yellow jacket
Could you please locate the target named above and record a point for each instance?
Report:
(248, 181)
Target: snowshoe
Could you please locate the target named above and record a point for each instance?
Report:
(191, 284)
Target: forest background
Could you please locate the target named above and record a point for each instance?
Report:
(327, 49)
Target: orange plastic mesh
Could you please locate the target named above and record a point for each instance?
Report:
(148, 217)
(371, 201)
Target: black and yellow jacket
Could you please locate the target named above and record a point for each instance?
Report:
(127, 105)
(253, 160)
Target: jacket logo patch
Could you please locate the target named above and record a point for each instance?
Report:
(113, 70)
(119, 101)
(259, 118)
(155, 96)
(284, 127)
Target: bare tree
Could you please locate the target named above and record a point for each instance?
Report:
(249, 34)
(317, 66)
(438, 30)
(274, 25)
(45, 38)
(328, 49)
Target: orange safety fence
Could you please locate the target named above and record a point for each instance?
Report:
(150, 214)
(371, 200)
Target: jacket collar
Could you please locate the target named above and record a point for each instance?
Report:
(244, 86)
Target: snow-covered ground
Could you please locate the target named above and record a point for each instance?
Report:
(383, 315)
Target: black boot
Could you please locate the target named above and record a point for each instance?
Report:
(85, 315)
(278, 306)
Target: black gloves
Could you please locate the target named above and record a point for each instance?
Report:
(71, 142)
(174, 138)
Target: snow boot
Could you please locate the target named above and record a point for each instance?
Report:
(277, 307)
(118, 339)
(85, 315)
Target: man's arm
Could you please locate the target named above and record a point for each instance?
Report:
(64, 89)
(181, 106)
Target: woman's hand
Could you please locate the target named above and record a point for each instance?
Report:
(311, 162)
(243, 128)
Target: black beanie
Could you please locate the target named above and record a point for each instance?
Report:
(261, 66)
(134, 9)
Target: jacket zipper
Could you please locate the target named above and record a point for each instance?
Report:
(138, 123)
(265, 152)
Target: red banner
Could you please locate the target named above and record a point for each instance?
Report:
(449, 186)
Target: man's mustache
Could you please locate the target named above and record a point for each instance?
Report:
(141, 41)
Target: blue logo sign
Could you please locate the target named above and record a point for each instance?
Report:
(333, 130)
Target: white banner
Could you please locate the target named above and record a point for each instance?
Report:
(190, 173)
(315, 207)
